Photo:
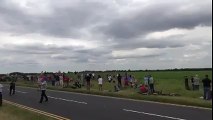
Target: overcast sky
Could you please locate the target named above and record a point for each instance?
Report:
(52, 35)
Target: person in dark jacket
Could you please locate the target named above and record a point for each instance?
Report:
(88, 81)
(187, 83)
(1, 86)
(119, 77)
(12, 88)
(207, 88)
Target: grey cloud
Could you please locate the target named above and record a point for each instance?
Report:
(137, 56)
(64, 22)
(35, 49)
(84, 55)
(114, 27)
(170, 42)
(157, 17)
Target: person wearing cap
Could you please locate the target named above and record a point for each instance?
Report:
(1, 86)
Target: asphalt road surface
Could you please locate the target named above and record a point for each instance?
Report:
(88, 107)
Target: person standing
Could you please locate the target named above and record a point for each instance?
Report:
(196, 82)
(1, 86)
(100, 83)
(12, 88)
(119, 77)
(206, 87)
(151, 84)
(43, 91)
(192, 81)
(88, 81)
(187, 83)
(146, 80)
(61, 78)
(109, 78)
(82, 79)
(57, 79)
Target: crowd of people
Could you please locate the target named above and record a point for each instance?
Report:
(119, 82)
(194, 81)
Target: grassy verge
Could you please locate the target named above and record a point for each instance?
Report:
(132, 94)
(165, 81)
(9, 112)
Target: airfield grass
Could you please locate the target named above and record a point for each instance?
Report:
(165, 81)
(10, 112)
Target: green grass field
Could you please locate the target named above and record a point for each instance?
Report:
(9, 112)
(165, 81)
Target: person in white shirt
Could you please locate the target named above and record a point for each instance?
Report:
(146, 80)
(43, 91)
(1, 86)
(100, 82)
(196, 82)
(110, 78)
(61, 77)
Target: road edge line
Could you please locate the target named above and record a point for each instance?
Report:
(146, 101)
(36, 110)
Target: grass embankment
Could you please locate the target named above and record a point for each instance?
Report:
(10, 112)
(166, 81)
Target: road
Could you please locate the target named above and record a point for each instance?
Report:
(89, 107)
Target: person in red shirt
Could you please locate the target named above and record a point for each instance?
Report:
(66, 80)
(143, 89)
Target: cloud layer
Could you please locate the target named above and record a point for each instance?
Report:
(64, 35)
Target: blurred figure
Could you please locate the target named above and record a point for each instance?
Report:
(146, 80)
(206, 88)
(1, 86)
(88, 81)
(187, 83)
(12, 88)
(116, 88)
(100, 83)
(196, 82)
(82, 79)
(119, 77)
(192, 82)
(109, 78)
(66, 79)
(61, 80)
(43, 91)
(57, 79)
(151, 84)
(143, 88)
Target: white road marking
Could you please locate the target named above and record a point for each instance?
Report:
(67, 100)
(161, 103)
(18, 91)
(21, 92)
(151, 114)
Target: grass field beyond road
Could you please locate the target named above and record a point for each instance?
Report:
(9, 112)
(165, 81)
